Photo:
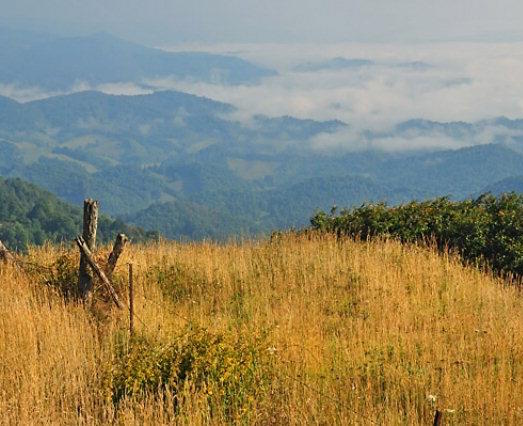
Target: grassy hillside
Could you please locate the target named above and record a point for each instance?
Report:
(293, 331)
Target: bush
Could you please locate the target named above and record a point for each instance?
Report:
(487, 230)
(231, 372)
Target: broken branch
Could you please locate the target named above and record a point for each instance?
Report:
(119, 245)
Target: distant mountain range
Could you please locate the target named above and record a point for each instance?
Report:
(59, 64)
(182, 165)
(511, 184)
(340, 63)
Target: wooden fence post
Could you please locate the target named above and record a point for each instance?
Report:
(131, 301)
(90, 225)
(5, 254)
(438, 418)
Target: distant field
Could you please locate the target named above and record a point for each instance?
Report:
(298, 330)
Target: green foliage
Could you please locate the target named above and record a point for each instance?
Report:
(231, 372)
(188, 221)
(30, 215)
(484, 230)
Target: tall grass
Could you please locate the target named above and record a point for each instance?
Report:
(293, 331)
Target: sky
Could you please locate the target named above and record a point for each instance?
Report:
(282, 21)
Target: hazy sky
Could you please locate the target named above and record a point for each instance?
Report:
(171, 21)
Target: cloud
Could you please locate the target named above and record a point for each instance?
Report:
(458, 82)
(355, 141)
(464, 82)
(300, 20)
(24, 94)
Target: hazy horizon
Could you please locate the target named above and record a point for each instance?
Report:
(295, 21)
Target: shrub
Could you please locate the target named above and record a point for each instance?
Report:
(487, 230)
(62, 275)
(231, 372)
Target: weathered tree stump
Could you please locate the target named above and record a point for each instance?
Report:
(90, 225)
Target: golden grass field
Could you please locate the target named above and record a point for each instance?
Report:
(300, 330)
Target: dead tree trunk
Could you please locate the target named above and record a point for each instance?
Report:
(82, 245)
(119, 245)
(85, 278)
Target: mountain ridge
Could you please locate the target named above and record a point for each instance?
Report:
(60, 63)
(147, 155)
(31, 215)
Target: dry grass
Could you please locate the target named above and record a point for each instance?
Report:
(351, 333)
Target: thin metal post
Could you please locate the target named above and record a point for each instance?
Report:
(131, 301)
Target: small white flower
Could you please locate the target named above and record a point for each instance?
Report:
(431, 398)
(271, 350)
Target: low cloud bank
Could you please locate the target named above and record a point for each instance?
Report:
(457, 82)
(428, 136)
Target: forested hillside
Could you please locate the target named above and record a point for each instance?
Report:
(30, 215)
(511, 184)
(149, 158)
